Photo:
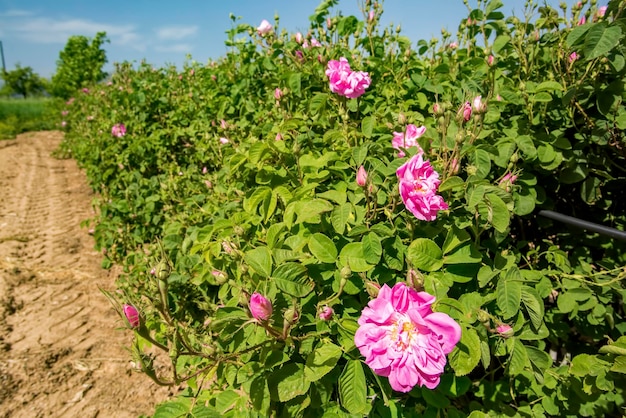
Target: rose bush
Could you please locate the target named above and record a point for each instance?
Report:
(204, 208)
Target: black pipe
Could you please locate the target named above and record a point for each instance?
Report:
(590, 226)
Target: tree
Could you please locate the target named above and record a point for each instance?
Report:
(79, 65)
(23, 81)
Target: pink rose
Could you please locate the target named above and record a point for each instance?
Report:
(118, 130)
(278, 93)
(132, 315)
(408, 139)
(505, 330)
(361, 176)
(466, 111)
(418, 184)
(371, 15)
(279, 137)
(299, 38)
(582, 20)
(326, 313)
(315, 43)
(478, 105)
(573, 57)
(344, 81)
(490, 59)
(453, 45)
(260, 307)
(403, 339)
(264, 28)
(602, 11)
(224, 140)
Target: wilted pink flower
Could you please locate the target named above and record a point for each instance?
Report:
(453, 45)
(278, 93)
(118, 130)
(505, 330)
(85, 90)
(361, 176)
(224, 140)
(326, 313)
(582, 20)
(132, 315)
(344, 81)
(70, 101)
(408, 139)
(573, 57)
(602, 11)
(299, 38)
(466, 111)
(403, 339)
(219, 275)
(65, 113)
(260, 307)
(490, 59)
(418, 184)
(264, 28)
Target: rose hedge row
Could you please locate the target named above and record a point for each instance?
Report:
(303, 235)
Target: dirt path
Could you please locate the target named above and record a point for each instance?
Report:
(61, 352)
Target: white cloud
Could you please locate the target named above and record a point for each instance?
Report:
(45, 30)
(16, 13)
(180, 48)
(175, 33)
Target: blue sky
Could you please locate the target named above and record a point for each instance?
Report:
(164, 32)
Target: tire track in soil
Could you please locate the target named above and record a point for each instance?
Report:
(61, 353)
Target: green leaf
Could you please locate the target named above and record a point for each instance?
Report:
(339, 217)
(372, 248)
(482, 160)
(353, 388)
(494, 210)
(500, 43)
(508, 296)
(600, 40)
(576, 34)
(292, 279)
(518, 359)
(287, 382)
(321, 361)
(173, 409)
(451, 183)
(534, 305)
(425, 254)
(541, 97)
(466, 355)
(352, 255)
(317, 104)
(619, 365)
(322, 248)
(260, 260)
(367, 126)
(294, 82)
(465, 254)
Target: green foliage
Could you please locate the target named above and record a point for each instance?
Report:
(79, 65)
(23, 81)
(23, 115)
(218, 190)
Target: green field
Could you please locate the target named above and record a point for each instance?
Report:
(22, 115)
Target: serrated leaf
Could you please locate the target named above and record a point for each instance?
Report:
(260, 260)
(287, 382)
(534, 305)
(292, 279)
(339, 217)
(601, 39)
(425, 254)
(518, 359)
(352, 255)
(173, 409)
(321, 361)
(576, 34)
(451, 183)
(322, 248)
(367, 126)
(467, 353)
(372, 248)
(353, 388)
(508, 297)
